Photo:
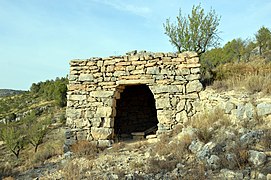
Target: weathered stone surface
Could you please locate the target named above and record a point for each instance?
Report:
(195, 146)
(77, 97)
(104, 143)
(102, 94)
(165, 89)
(164, 116)
(73, 113)
(263, 109)
(229, 174)
(104, 112)
(192, 77)
(153, 70)
(181, 105)
(101, 133)
(86, 77)
(214, 162)
(256, 158)
(162, 103)
(194, 86)
(229, 107)
(137, 81)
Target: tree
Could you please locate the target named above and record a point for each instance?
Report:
(234, 50)
(14, 138)
(197, 32)
(263, 37)
(37, 132)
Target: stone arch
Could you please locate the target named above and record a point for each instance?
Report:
(135, 111)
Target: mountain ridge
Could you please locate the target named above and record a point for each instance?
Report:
(10, 92)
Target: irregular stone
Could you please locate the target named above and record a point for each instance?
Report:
(138, 81)
(73, 113)
(195, 146)
(181, 117)
(214, 162)
(251, 137)
(194, 86)
(153, 70)
(120, 73)
(195, 70)
(162, 103)
(165, 89)
(102, 94)
(101, 133)
(206, 151)
(77, 97)
(263, 109)
(183, 71)
(164, 116)
(249, 110)
(192, 77)
(104, 112)
(104, 143)
(229, 107)
(240, 111)
(229, 174)
(256, 158)
(86, 77)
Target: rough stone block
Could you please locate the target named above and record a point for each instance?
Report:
(76, 97)
(73, 113)
(153, 70)
(165, 89)
(194, 86)
(86, 77)
(101, 133)
(192, 77)
(263, 109)
(104, 143)
(104, 112)
(195, 70)
(102, 94)
(138, 81)
(164, 116)
(162, 103)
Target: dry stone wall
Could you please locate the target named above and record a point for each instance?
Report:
(96, 84)
(240, 107)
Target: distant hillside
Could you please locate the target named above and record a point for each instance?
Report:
(9, 92)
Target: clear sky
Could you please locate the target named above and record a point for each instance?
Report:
(38, 38)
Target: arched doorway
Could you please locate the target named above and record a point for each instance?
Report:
(136, 112)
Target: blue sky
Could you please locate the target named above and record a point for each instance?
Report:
(38, 38)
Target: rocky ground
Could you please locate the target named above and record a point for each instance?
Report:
(236, 155)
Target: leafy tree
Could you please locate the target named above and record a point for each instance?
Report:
(263, 37)
(60, 92)
(14, 138)
(37, 132)
(197, 32)
(234, 50)
(250, 45)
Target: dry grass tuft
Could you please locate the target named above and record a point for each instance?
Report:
(118, 146)
(156, 165)
(208, 122)
(46, 152)
(84, 148)
(72, 171)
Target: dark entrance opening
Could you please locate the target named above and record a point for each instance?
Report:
(136, 112)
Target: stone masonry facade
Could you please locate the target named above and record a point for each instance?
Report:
(96, 84)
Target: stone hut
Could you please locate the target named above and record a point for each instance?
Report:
(132, 95)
